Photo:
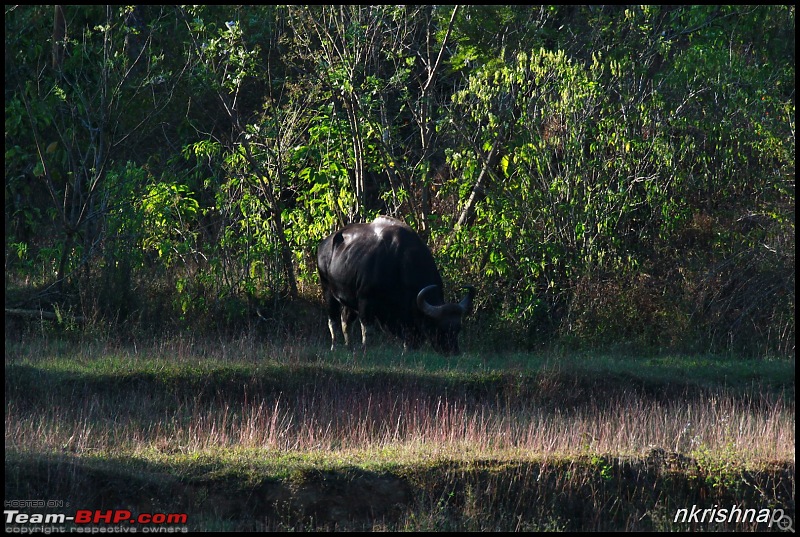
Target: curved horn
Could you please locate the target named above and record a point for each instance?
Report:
(466, 302)
(426, 307)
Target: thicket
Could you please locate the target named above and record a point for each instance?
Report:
(603, 175)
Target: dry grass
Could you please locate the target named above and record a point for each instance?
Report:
(628, 426)
(334, 409)
(249, 436)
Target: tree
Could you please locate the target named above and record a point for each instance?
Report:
(381, 66)
(77, 112)
(257, 145)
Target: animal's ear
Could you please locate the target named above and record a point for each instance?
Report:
(338, 239)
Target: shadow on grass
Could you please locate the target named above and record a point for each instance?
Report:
(591, 494)
(515, 381)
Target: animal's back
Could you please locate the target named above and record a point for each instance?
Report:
(384, 260)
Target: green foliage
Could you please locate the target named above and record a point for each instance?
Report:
(720, 468)
(605, 169)
(576, 192)
(168, 210)
(615, 174)
(225, 61)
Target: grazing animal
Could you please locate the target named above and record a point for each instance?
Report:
(383, 271)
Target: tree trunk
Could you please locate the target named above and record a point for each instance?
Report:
(351, 106)
(479, 190)
(59, 34)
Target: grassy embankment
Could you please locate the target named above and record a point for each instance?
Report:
(249, 436)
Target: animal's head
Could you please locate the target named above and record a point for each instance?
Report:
(445, 318)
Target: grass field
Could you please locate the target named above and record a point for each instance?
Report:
(246, 435)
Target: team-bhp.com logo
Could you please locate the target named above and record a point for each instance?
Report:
(94, 521)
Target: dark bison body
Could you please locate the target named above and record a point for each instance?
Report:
(384, 272)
